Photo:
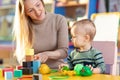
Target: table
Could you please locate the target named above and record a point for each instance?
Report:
(93, 77)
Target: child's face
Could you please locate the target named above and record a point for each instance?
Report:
(78, 39)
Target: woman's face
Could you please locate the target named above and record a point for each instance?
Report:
(34, 9)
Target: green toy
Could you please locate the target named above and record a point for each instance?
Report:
(86, 71)
(65, 68)
(78, 68)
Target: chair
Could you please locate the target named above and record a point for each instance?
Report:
(107, 27)
(109, 51)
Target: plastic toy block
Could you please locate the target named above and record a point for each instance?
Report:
(1, 73)
(37, 77)
(28, 64)
(18, 73)
(29, 58)
(7, 70)
(8, 75)
(27, 76)
(36, 65)
(27, 71)
(19, 67)
(29, 52)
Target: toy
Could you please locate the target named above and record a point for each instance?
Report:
(78, 68)
(37, 77)
(86, 71)
(65, 68)
(18, 73)
(66, 71)
(44, 69)
(8, 75)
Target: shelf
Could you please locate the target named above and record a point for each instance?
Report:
(7, 7)
(69, 4)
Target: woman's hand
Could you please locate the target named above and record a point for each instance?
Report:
(41, 56)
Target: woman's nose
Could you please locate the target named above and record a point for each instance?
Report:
(37, 11)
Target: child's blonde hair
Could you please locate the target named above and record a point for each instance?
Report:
(87, 26)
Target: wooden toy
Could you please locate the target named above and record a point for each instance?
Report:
(7, 70)
(8, 75)
(36, 65)
(1, 73)
(29, 58)
(27, 64)
(29, 52)
(19, 67)
(37, 77)
(27, 71)
(18, 73)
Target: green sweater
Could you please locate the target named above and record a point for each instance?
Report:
(91, 57)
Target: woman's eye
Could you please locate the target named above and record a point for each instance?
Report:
(38, 5)
(30, 10)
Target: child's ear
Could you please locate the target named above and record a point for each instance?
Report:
(87, 37)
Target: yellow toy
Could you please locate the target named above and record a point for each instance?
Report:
(44, 69)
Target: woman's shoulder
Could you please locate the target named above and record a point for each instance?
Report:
(56, 16)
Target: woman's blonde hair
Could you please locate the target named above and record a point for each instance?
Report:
(22, 31)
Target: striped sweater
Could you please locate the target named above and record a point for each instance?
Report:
(91, 57)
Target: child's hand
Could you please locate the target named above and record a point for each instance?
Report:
(90, 67)
(94, 70)
(62, 65)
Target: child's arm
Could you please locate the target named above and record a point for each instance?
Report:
(99, 60)
(62, 65)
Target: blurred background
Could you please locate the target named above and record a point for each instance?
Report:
(73, 10)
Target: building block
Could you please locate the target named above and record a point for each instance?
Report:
(29, 52)
(29, 58)
(19, 67)
(27, 71)
(1, 73)
(8, 75)
(18, 73)
(37, 77)
(36, 65)
(27, 64)
(7, 70)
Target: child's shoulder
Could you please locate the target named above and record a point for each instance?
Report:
(73, 52)
(94, 50)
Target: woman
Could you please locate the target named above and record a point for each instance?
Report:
(45, 32)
